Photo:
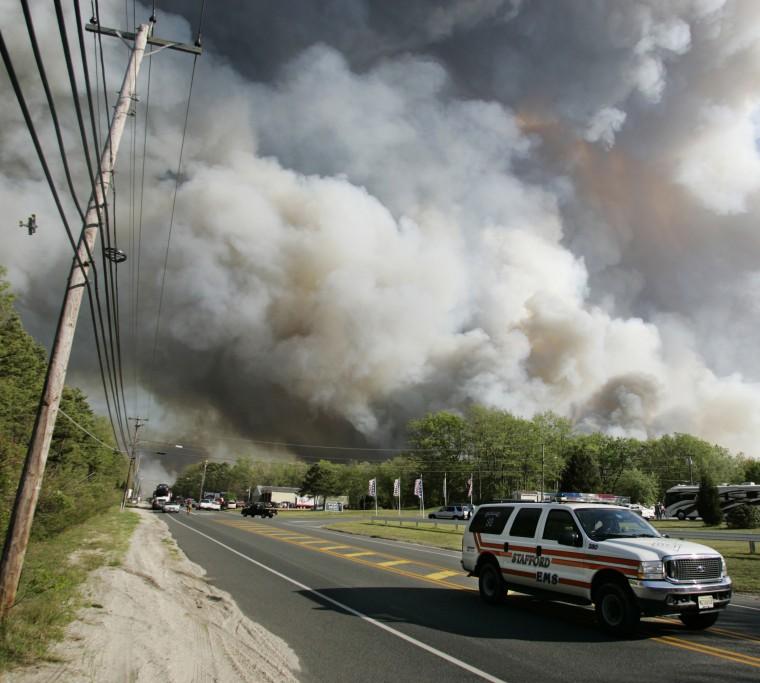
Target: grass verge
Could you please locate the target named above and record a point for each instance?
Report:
(743, 567)
(49, 592)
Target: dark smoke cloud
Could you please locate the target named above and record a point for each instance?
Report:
(391, 208)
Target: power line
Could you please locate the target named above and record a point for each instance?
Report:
(90, 434)
(46, 170)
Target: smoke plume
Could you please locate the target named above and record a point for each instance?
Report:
(386, 209)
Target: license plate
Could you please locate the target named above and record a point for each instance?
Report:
(705, 601)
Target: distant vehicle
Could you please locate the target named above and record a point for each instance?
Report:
(644, 510)
(259, 510)
(209, 504)
(681, 500)
(172, 506)
(231, 504)
(451, 512)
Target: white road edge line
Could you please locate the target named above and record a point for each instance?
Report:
(733, 604)
(356, 613)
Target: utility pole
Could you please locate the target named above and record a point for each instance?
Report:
(132, 471)
(17, 538)
(542, 472)
(203, 481)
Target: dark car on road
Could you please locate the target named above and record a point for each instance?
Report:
(259, 509)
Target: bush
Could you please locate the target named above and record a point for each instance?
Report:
(708, 501)
(743, 517)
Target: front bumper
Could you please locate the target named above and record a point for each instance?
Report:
(666, 597)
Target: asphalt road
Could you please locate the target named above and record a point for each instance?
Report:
(361, 609)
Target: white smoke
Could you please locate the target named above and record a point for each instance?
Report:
(371, 245)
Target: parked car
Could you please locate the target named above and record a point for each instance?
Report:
(451, 512)
(209, 504)
(231, 504)
(259, 509)
(172, 506)
(643, 510)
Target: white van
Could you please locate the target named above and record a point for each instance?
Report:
(594, 553)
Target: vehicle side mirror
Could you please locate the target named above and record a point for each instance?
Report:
(571, 538)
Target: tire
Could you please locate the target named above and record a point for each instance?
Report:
(431, 516)
(698, 622)
(681, 515)
(491, 584)
(616, 609)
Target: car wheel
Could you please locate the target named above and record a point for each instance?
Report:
(491, 584)
(698, 622)
(431, 516)
(681, 515)
(616, 609)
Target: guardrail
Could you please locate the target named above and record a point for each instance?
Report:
(752, 539)
(416, 521)
(717, 536)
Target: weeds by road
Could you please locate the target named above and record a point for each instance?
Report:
(54, 569)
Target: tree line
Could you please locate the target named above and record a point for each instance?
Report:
(494, 453)
(82, 477)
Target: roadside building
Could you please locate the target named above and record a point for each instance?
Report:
(288, 496)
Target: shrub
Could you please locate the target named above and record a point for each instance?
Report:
(743, 517)
(708, 501)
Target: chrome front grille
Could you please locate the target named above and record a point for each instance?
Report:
(694, 569)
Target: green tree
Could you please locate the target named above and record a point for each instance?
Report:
(439, 441)
(319, 481)
(751, 470)
(640, 487)
(581, 474)
(708, 501)
(82, 477)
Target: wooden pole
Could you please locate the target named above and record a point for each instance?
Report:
(28, 492)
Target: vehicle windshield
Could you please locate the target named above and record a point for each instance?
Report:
(603, 523)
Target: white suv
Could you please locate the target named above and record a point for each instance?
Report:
(451, 512)
(594, 553)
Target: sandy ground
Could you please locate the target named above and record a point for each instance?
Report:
(156, 618)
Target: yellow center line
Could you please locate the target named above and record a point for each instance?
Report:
(359, 554)
(314, 542)
(709, 650)
(717, 630)
(445, 574)
(388, 565)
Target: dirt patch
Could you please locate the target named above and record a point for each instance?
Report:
(156, 618)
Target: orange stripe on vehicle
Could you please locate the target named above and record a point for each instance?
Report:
(573, 582)
(595, 565)
(516, 572)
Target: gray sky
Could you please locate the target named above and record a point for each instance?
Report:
(390, 208)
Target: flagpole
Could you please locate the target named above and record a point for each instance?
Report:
(375, 496)
(399, 495)
(422, 497)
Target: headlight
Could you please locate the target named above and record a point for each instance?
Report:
(723, 568)
(651, 570)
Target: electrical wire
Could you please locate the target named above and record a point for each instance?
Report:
(54, 192)
(90, 434)
(109, 346)
(171, 220)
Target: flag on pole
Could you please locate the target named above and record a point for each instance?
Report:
(418, 488)
(469, 487)
(372, 487)
(396, 488)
